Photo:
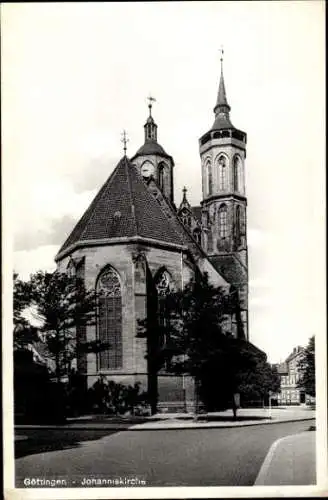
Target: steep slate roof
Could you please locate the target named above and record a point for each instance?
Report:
(151, 147)
(230, 268)
(123, 208)
(222, 121)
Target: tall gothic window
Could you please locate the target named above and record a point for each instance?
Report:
(161, 176)
(242, 221)
(237, 225)
(163, 286)
(223, 223)
(110, 318)
(209, 177)
(236, 174)
(222, 173)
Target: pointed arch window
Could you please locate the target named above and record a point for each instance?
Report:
(223, 223)
(236, 174)
(223, 173)
(242, 221)
(237, 226)
(209, 178)
(161, 175)
(109, 320)
(164, 285)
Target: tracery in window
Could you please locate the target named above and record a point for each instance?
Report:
(163, 282)
(222, 163)
(109, 321)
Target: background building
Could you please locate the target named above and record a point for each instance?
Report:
(289, 375)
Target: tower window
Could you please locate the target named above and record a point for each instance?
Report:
(236, 174)
(209, 178)
(222, 173)
(109, 321)
(161, 173)
(237, 226)
(223, 229)
(242, 220)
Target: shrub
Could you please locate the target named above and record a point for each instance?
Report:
(112, 398)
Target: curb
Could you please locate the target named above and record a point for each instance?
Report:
(159, 428)
(267, 462)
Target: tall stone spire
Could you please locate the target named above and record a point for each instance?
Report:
(222, 108)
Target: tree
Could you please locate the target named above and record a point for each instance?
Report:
(193, 337)
(306, 368)
(65, 308)
(197, 343)
(24, 333)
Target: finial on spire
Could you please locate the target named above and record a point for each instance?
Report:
(184, 198)
(150, 101)
(221, 52)
(221, 58)
(125, 140)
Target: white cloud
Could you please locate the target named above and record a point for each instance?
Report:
(28, 262)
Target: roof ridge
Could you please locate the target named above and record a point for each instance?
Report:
(162, 210)
(158, 205)
(127, 171)
(99, 196)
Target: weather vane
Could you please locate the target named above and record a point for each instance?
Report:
(150, 100)
(125, 140)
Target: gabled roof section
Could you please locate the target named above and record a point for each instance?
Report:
(230, 268)
(123, 208)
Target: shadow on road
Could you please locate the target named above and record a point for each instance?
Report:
(33, 441)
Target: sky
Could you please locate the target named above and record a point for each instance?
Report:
(75, 75)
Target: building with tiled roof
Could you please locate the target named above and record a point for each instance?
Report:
(132, 245)
(289, 373)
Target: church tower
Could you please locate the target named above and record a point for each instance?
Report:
(223, 154)
(152, 161)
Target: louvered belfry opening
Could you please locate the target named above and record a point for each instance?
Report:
(109, 324)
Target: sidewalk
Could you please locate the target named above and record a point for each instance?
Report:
(290, 461)
(162, 421)
(245, 417)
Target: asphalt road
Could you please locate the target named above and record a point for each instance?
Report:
(186, 457)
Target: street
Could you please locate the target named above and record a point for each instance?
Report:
(184, 457)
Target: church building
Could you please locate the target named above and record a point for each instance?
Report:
(133, 233)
